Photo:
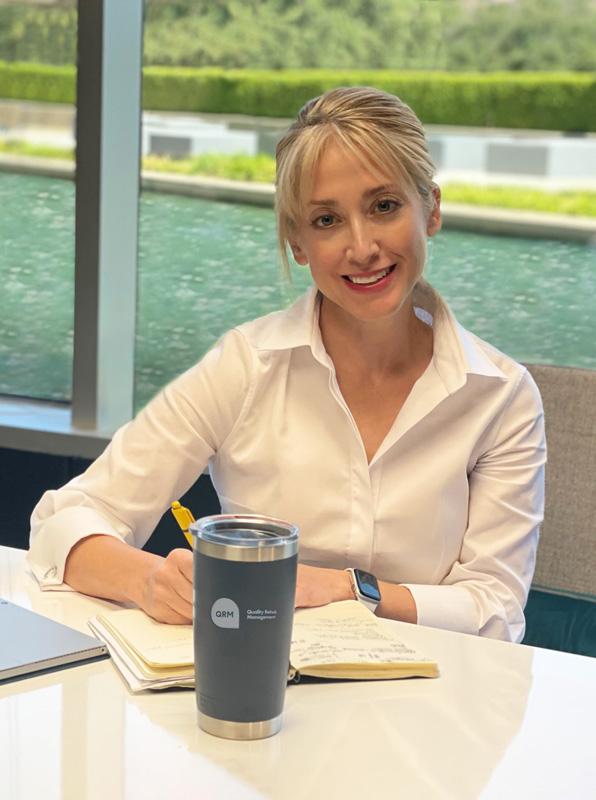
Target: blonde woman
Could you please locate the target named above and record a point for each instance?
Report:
(401, 444)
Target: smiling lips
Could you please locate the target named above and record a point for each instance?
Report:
(368, 281)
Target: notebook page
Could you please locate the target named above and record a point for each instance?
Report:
(137, 682)
(157, 643)
(346, 633)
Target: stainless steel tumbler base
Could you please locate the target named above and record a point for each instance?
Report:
(239, 730)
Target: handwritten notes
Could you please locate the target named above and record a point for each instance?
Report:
(346, 640)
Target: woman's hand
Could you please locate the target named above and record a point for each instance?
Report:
(105, 566)
(316, 586)
(167, 591)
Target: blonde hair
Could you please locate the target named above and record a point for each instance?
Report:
(376, 127)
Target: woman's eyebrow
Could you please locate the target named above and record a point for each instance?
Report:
(323, 202)
(385, 187)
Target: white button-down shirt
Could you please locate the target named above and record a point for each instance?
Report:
(450, 505)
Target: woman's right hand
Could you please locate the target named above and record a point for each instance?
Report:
(167, 589)
(105, 566)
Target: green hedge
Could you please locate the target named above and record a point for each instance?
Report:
(549, 101)
(50, 84)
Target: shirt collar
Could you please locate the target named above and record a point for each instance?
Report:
(295, 326)
(457, 352)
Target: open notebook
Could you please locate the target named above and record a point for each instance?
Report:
(341, 640)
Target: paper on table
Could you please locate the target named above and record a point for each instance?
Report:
(158, 645)
(347, 633)
(136, 678)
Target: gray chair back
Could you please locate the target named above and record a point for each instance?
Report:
(566, 561)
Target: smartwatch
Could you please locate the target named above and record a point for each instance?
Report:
(365, 587)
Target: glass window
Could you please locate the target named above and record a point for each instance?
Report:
(206, 265)
(37, 219)
(531, 298)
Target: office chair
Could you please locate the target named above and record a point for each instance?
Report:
(561, 609)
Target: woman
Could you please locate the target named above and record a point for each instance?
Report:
(400, 443)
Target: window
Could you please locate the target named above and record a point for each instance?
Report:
(37, 223)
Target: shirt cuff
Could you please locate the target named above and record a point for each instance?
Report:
(450, 607)
(55, 539)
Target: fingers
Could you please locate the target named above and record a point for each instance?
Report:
(182, 558)
(169, 589)
(177, 583)
(167, 615)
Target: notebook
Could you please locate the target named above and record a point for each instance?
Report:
(30, 643)
(341, 640)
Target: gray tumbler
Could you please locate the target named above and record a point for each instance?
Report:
(244, 592)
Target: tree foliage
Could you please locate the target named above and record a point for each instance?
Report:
(333, 34)
(527, 35)
(30, 34)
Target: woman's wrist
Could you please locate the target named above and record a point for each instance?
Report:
(138, 578)
(344, 588)
(105, 566)
(397, 602)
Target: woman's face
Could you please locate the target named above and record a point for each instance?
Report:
(363, 236)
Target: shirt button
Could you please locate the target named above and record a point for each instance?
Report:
(50, 573)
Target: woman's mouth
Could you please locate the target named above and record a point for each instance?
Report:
(368, 281)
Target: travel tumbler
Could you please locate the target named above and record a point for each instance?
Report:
(244, 592)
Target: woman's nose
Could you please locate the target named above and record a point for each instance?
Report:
(363, 245)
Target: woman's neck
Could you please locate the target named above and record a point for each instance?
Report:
(379, 347)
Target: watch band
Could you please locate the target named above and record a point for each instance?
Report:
(358, 595)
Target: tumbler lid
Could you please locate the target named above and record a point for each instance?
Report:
(244, 537)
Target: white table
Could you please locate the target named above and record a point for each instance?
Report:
(503, 721)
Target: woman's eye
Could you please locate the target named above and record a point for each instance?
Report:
(386, 206)
(324, 221)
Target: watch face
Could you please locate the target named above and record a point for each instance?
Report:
(367, 585)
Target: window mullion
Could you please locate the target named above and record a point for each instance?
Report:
(108, 126)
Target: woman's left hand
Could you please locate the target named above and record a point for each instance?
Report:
(316, 586)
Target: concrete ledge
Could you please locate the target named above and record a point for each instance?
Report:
(510, 222)
(252, 193)
(28, 165)
(479, 219)
(40, 426)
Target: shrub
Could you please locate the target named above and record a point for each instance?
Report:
(40, 82)
(539, 100)
(549, 101)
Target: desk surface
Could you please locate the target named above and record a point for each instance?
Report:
(502, 721)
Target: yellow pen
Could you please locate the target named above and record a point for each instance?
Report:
(184, 518)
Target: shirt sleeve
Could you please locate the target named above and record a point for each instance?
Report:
(150, 462)
(486, 589)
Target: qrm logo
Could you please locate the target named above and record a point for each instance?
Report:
(225, 613)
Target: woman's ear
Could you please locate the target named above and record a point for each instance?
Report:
(299, 254)
(434, 221)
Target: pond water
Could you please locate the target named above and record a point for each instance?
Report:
(205, 266)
